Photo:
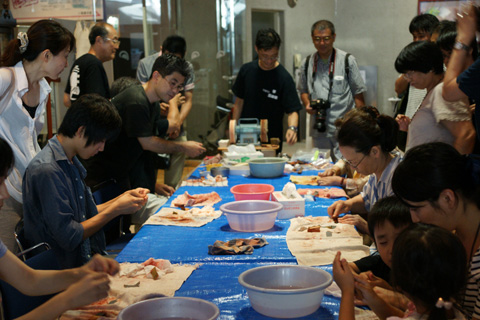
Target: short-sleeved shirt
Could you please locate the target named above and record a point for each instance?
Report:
(87, 76)
(344, 88)
(469, 82)
(375, 264)
(17, 127)
(55, 203)
(471, 301)
(425, 125)
(140, 118)
(375, 188)
(266, 95)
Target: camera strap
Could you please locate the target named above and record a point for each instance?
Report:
(331, 70)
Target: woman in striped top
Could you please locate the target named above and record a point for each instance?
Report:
(442, 187)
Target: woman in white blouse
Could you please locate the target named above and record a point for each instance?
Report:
(435, 120)
(40, 52)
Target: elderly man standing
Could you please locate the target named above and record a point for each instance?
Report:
(330, 85)
(87, 74)
(265, 89)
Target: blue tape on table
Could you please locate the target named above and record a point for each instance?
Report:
(232, 299)
(217, 279)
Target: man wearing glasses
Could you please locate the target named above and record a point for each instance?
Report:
(128, 158)
(87, 74)
(330, 85)
(265, 90)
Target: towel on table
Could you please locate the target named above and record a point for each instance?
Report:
(236, 246)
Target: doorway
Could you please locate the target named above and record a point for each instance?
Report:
(266, 19)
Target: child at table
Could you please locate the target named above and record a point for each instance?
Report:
(428, 266)
(388, 218)
(79, 286)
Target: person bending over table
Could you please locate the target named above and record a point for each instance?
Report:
(139, 135)
(58, 207)
(442, 188)
(366, 142)
(79, 286)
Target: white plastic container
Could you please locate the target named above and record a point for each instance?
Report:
(251, 215)
(285, 291)
(292, 207)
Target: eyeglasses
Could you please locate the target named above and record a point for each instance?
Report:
(354, 165)
(409, 74)
(174, 85)
(115, 42)
(267, 58)
(324, 39)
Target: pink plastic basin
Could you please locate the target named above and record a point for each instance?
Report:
(251, 215)
(253, 191)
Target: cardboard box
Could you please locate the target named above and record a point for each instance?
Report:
(292, 207)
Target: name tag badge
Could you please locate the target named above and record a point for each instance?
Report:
(338, 78)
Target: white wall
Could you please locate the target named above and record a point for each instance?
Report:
(374, 31)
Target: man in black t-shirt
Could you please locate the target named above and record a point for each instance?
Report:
(265, 90)
(140, 112)
(87, 74)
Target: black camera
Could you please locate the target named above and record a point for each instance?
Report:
(320, 106)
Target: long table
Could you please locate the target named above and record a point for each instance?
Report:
(216, 280)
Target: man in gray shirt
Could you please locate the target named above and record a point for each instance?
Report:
(330, 77)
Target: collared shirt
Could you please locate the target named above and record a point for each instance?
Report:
(16, 126)
(342, 94)
(376, 189)
(56, 201)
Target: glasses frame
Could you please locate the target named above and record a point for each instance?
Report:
(114, 41)
(354, 165)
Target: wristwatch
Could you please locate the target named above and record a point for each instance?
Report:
(293, 128)
(461, 46)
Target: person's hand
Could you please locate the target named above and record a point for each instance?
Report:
(178, 100)
(90, 288)
(309, 109)
(376, 281)
(193, 148)
(403, 122)
(342, 274)
(291, 136)
(333, 171)
(471, 108)
(355, 220)
(163, 189)
(173, 130)
(131, 201)
(466, 24)
(102, 264)
(365, 291)
(337, 208)
(164, 107)
(330, 181)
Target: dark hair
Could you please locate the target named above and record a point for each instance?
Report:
(362, 131)
(267, 39)
(430, 168)
(42, 35)
(389, 209)
(7, 159)
(429, 263)
(446, 39)
(445, 26)
(121, 84)
(371, 110)
(168, 63)
(322, 25)
(98, 115)
(423, 56)
(175, 45)
(99, 29)
(423, 22)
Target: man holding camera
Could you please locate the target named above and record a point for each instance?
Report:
(330, 85)
(265, 90)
